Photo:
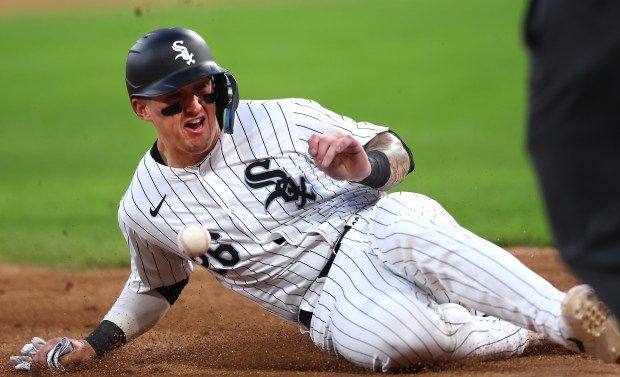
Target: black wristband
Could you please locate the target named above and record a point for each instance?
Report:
(379, 170)
(106, 337)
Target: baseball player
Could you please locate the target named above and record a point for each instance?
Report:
(294, 196)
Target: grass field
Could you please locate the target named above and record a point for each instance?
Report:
(449, 76)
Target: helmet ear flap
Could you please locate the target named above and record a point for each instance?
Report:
(226, 101)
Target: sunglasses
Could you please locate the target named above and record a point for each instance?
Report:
(176, 108)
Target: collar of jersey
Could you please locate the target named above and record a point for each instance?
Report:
(184, 174)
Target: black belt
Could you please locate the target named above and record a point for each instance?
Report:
(305, 317)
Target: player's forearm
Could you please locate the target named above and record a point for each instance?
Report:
(131, 315)
(398, 157)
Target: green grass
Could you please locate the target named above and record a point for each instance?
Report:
(449, 76)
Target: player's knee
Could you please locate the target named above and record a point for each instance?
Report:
(391, 353)
(392, 342)
(381, 352)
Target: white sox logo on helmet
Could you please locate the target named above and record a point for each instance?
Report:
(184, 53)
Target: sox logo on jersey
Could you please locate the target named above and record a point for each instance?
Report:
(285, 186)
(258, 187)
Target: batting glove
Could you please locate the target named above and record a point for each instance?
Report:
(29, 350)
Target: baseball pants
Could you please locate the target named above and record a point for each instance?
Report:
(397, 292)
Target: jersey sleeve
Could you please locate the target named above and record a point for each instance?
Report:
(310, 118)
(152, 266)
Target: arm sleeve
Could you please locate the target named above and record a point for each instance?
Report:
(132, 315)
(135, 313)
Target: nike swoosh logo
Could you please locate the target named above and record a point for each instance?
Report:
(155, 211)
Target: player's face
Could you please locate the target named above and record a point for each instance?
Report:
(185, 122)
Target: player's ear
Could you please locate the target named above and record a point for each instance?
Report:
(139, 106)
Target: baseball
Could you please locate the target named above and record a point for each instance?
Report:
(194, 240)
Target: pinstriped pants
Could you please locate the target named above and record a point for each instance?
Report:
(391, 297)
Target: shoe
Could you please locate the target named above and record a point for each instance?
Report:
(591, 326)
(534, 339)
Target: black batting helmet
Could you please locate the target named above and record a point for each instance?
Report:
(165, 60)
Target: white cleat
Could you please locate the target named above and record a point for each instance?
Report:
(591, 326)
(534, 339)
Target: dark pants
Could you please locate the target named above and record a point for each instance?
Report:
(574, 132)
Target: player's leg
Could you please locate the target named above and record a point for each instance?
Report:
(415, 239)
(380, 321)
(432, 250)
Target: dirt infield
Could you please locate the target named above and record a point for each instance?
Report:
(211, 331)
(21, 6)
(214, 332)
(61, 5)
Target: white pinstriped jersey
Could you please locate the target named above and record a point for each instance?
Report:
(389, 298)
(272, 213)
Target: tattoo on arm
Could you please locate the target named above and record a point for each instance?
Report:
(398, 157)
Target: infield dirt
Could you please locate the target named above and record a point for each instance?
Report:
(211, 331)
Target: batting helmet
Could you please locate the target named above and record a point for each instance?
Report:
(165, 60)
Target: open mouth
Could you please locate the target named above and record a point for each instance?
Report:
(195, 124)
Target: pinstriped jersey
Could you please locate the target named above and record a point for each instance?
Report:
(272, 214)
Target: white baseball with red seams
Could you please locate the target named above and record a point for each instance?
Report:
(194, 240)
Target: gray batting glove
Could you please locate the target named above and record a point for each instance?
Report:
(28, 351)
(53, 356)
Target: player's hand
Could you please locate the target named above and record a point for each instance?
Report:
(57, 354)
(24, 362)
(342, 157)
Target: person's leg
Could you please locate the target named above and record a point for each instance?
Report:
(418, 240)
(574, 133)
(415, 238)
(380, 321)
